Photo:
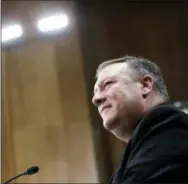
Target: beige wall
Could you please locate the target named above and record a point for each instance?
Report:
(45, 116)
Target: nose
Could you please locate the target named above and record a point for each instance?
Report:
(98, 99)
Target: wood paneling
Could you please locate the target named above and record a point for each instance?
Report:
(45, 115)
(8, 163)
(95, 49)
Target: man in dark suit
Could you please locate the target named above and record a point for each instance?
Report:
(133, 101)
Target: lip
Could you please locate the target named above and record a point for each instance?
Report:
(103, 108)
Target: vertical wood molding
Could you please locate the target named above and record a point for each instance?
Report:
(8, 162)
(94, 48)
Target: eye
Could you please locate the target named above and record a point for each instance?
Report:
(108, 83)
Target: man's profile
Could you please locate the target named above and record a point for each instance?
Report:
(133, 102)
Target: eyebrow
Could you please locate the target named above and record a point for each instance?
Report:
(100, 83)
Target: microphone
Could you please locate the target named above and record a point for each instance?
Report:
(30, 171)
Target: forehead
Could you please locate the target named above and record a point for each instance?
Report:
(114, 70)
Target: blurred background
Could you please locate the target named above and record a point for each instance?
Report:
(50, 51)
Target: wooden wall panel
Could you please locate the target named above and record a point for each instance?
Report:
(8, 163)
(92, 34)
(45, 114)
(79, 139)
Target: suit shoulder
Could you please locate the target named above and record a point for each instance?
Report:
(167, 110)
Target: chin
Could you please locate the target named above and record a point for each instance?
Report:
(109, 124)
(106, 126)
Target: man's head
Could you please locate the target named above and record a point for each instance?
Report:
(125, 89)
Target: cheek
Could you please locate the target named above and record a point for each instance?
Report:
(118, 98)
(123, 99)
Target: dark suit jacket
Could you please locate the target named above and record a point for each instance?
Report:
(157, 151)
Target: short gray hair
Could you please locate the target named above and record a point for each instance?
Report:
(139, 67)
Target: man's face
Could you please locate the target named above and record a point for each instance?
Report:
(118, 98)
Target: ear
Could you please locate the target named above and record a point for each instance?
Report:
(147, 85)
